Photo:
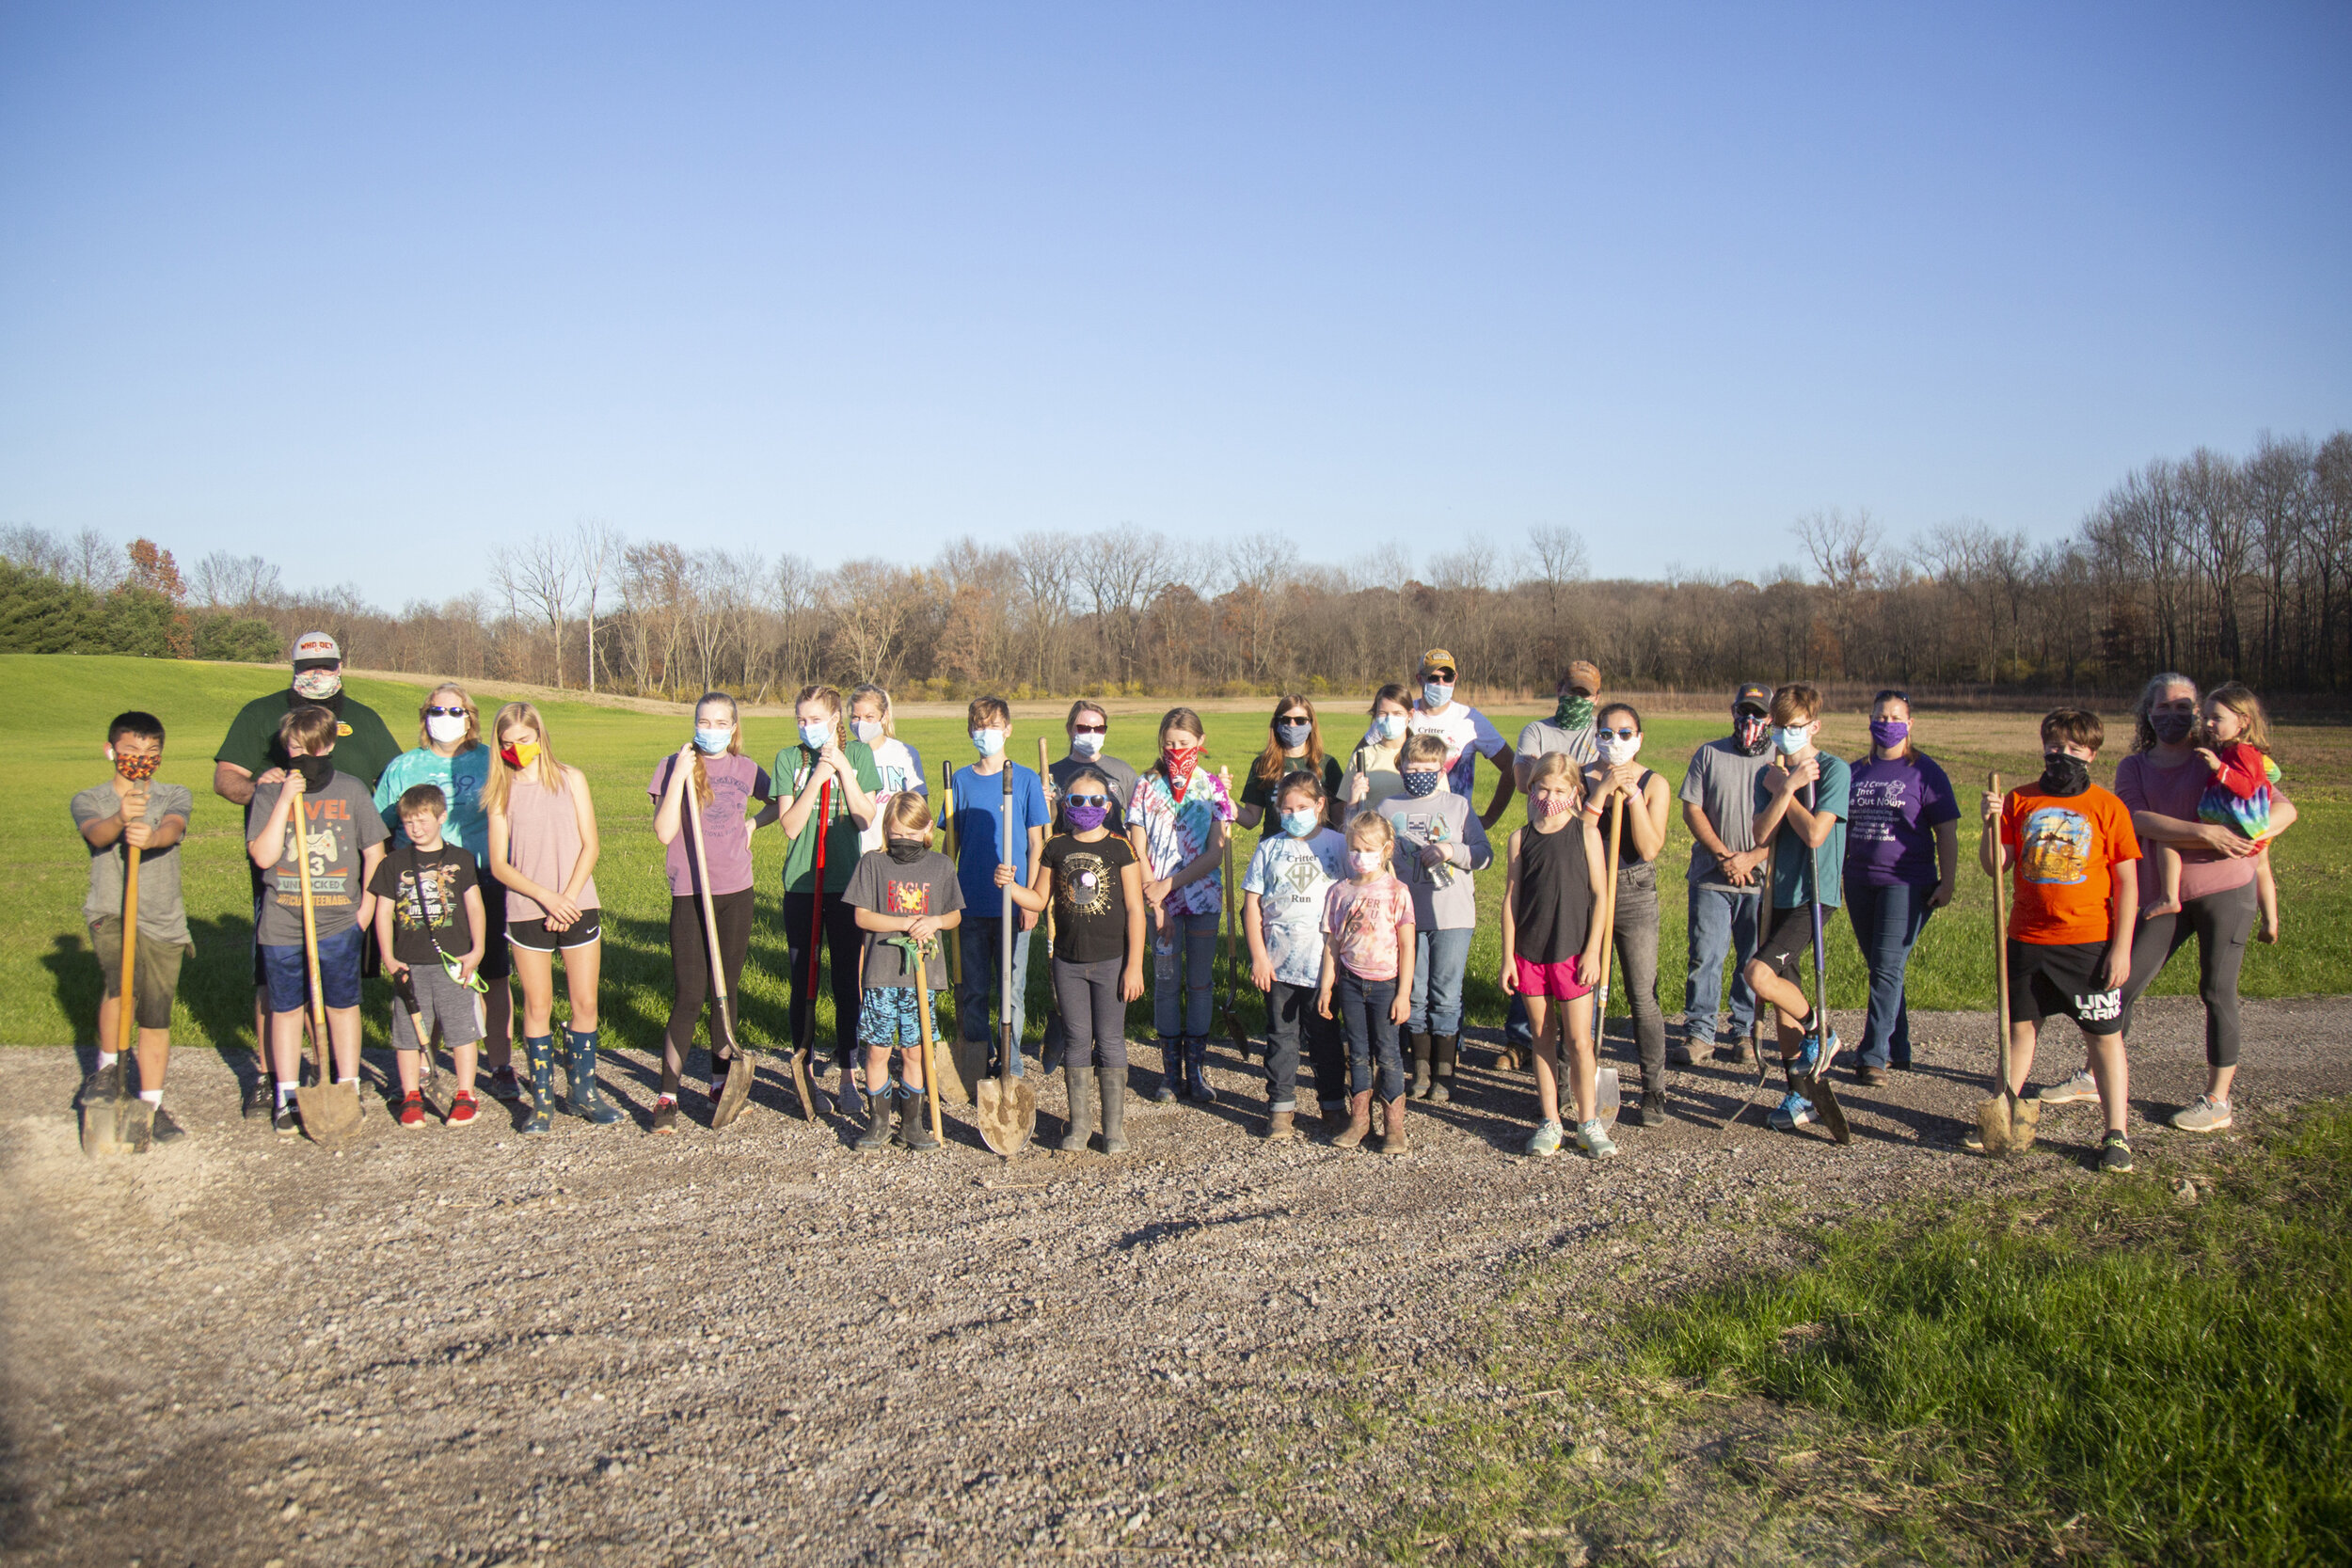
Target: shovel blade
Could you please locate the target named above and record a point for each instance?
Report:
(801, 1087)
(1606, 1096)
(1008, 1113)
(967, 1072)
(2007, 1127)
(737, 1091)
(102, 1113)
(331, 1112)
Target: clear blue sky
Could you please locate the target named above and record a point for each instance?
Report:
(317, 280)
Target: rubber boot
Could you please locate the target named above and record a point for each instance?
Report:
(1113, 1082)
(1171, 1065)
(580, 1073)
(1079, 1076)
(1359, 1121)
(1445, 1049)
(539, 1055)
(1196, 1073)
(877, 1108)
(1393, 1134)
(915, 1122)
(1420, 1066)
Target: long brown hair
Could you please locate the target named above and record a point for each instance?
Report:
(1270, 765)
(734, 741)
(550, 772)
(830, 697)
(1176, 719)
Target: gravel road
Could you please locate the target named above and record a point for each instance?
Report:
(761, 1346)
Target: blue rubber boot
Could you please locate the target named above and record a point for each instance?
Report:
(580, 1070)
(539, 1056)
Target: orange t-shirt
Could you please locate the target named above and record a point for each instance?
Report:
(2063, 850)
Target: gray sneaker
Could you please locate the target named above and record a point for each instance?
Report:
(1544, 1141)
(2079, 1087)
(2207, 1115)
(1593, 1138)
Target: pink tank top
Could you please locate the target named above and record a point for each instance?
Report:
(542, 843)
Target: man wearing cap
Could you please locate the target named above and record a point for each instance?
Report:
(1468, 734)
(1726, 877)
(251, 755)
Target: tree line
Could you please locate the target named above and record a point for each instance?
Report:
(2227, 567)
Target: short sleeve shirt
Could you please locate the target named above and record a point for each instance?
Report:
(1175, 831)
(340, 823)
(1122, 783)
(926, 885)
(163, 910)
(2065, 849)
(460, 780)
(977, 801)
(363, 747)
(427, 890)
(1361, 923)
(844, 843)
(1266, 793)
(1890, 839)
(1290, 876)
(735, 782)
(1468, 737)
(1542, 738)
(1090, 896)
(899, 766)
(2174, 792)
(1797, 872)
(1721, 782)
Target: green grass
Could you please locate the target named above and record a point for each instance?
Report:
(54, 709)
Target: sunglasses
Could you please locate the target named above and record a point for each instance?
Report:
(1087, 799)
(1620, 734)
(1090, 729)
(1446, 676)
(445, 713)
(1293, 719)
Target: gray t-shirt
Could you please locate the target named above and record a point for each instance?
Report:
(924, 885)
(342, 824)
(1721, 783)
(1543, 737)
(1445, 897)
(163, 915)
(1122, 787)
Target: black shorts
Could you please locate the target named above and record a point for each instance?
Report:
(2064, 981)
(534, 934)
(1783, 947)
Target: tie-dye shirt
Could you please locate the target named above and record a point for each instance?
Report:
(1175, 833)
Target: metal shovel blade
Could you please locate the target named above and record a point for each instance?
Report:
(1008, 1113)
(1606, 1096)
(2008, 1126)
(102, 1113)
(968, 1070)
(736, 1090)
(331, 1112)
(801, 1087)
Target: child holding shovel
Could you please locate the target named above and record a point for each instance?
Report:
(1553, 932)
(343, 835)
(431, 932)
(826, 782)
(904, 897)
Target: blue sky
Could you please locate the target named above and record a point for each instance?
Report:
(850, 280)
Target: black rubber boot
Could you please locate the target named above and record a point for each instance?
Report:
(1172, 1068)
(539, 1055)
(1196, 1073)
(1444, 1051)
(1113, 1084)
(1080, 1077)
(580, 1073)
(1421, 1068)
(877, 1108)
(914, 1123)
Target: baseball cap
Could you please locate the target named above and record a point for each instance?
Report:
(1754, 696)
(314, 649)
(1437, 658)
(1584, 675)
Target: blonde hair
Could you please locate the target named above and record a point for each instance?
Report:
(1422, 746)
(1371, 824)
(882, 698)
(465, 700)
(1551, 765)
(734, 741)
(2240, 699)
(550, 772)
(907, 812)
(830, 697)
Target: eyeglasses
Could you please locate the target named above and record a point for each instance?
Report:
(1090, 729)
(1619, 734)
(1436, 676)
(1294, 719)
(1087, 799)
(445, 713)
(1747, 713)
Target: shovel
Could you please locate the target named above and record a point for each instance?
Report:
(330, 1111)
(2005, 1123)
(930, 1053)
(113, 1121)
(1231, 933)
(1007, 1105)
(738, 1088)
(1607, 1094)
(967, 1060)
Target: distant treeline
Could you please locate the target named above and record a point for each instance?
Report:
(2222, 566)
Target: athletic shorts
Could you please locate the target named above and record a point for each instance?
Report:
(1557, 981)
(157, 962)
(495, 964)
(437, 999)
(2063, 980)
(1783, 947)
(534, 934)
(286, 971)
(888, 1017)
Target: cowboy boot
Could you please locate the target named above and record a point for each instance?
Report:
(1393, 1134)
(579, 1072)
(539, 1055)
(1420, 1066)
(1079, 1076)
(1444, 1051)
(1358, 1120)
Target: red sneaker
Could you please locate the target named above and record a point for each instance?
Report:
(412, 1110)
(461, 1110)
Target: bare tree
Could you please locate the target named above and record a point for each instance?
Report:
(1559, 558)
(1841, 545)
(94, 560)
(868, 601)
(599, 545)
(1122, 573)
(227, 581)
(36, 549)
(537, 581)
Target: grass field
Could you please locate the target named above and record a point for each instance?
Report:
(53, 710)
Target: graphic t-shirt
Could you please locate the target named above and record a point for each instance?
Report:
(363, 747)
(977, 801)
(844, 840)
(1367, 924)
(1445, 897)
(427, 888)
(1469, 736)
(338, 824)
(162, 910)
(1795, 873)
(2065, 849)
(1290, 876)
(924, 885)
(899, 766)
(1266, 793)
(1890, 838)
(1122, 783)
(735, 782)
(1175, 832)
(460, 780)
(1089, 900)
(1721, 783)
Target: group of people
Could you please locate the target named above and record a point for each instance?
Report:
(465, 866)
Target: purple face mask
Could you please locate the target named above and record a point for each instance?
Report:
(1887, 734)
(1086, 818)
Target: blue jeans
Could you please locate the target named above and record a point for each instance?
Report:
(1722, 921)
(1439, 959)
(1291, 1019)
(1363, 1009)
(1886, 924)
(973, 1019)
(1184, 976)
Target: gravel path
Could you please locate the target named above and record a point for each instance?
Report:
(760, 1345)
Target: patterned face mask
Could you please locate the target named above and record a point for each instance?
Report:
(138, 769)
(1574, 712)
(1421, 781)
(522, 754)
(317, 684)
(1179, 761)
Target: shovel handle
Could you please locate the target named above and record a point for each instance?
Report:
(817, 907)
(126, 1021)
(723, 1012)
(298, 824)
(2001, 945)
(948, 819)
(1609, 920)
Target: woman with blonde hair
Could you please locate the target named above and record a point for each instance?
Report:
(543, 849)
(896, 762)
(825, 754)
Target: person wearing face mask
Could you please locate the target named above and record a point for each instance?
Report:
(1802, 804)
(1372, 776)
(896, 763)
(1568, 732)
(1281, 913)
(731, 792)
(1177, 821)
(823, 753)
(1469, 734)
(1640, 827)
(133, 814)
(1294, 744)
(1440, 844)
(1368, 978)
(976, 796)
(251, 755)
(1551, 941)
(1089, 729)
(1724, 884)
(1902, 854)
(904, 892)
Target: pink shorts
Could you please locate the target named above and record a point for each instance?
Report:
(1557, 981)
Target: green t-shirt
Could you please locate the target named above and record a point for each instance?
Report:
(842, 847)
(363, 747)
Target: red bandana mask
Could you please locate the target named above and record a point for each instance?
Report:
(1179, 761)
(136, 769)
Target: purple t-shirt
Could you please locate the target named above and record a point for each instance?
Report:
(2174, 792)
(733, 781)
(1890, 838)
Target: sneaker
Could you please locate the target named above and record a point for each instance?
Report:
(503, 1084)
(1973, 1141)
(411, 1113)
(2115, 1154)
(2207, 1115)
(163, 1129)
(1593, 1138)
(666, 1116)
(288, 1121)
(463, 1108)
(1544, 1141)
(2079, 1087)
(1794, 1111)
(260, 1098)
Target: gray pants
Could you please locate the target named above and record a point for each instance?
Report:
(1094, 1019)
(1637, 955)
(2220, 922)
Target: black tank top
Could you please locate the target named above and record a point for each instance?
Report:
(1553, 909)
(1627, 855)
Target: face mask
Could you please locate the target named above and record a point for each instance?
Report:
(988, 742)
(1436, 694)
(1887, 734)
(1793, 739)
(1086, 818)
(1616, 752)
(521, 754)
(2171, 728)
(138, 769)
(710, 739)
(1299, 824)
(1179, 761)
(1290, 736)
(867, 730)
(445, 730)
(1750, 733)
(1549, 805)
(317, 684)
(2064, 775)
(1389, 727)
(1420, 781)
(1087, 744)
(817, 736)
(908, 850)
(315, 773)
(1574, 712)
(1366, 861)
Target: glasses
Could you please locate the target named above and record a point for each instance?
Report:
(1090, 729)
(1446, 676)
(1747, 713)
(445, 713)
(1619, 734)
(1293, 719)
(1087, 799)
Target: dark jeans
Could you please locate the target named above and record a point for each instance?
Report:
(1363, 1009)
(2220, 922)
(1291, 1013)
(976, 1019)
(1886, 925)
(1085, 997)
(844, 946)
(690, 963)
(1637, 953)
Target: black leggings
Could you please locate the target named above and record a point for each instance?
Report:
(2220, 922)
(844, 946)
(690, 963)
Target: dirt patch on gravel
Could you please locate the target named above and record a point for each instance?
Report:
(760, 1345)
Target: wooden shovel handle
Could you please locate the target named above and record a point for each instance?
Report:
(725, 1009)
(126, 1021)
(299, 823)
(2000, 944)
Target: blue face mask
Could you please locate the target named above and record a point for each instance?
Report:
(1436, 694)
(815, 737)
(1390, 726)
(1299, 824)
(711, 741)
(1793, 739)
(1420, 781)
(988, 742)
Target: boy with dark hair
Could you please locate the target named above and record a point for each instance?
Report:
(430, 928)
(343, 834)
(2077, 897)
(1801, 800)
(127, 814)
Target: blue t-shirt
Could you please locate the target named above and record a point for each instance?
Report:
(461, 778)
(977, 802)
(1890, 841)
(1796, 874)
